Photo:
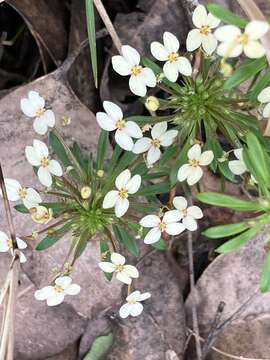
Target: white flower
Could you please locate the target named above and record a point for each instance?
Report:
(112, 120)
(188, 214)
(54, 295)
(169, 224)
(118, 199)
(193, 171)
(133, 304)
(124, 273)
(202, 36)
(6, 245)
(30, 197)
(234, 41)
(34, 107)
(38, 155)
(168, 52)
(160, 137)
(129, 64)
(264, 98)
(237, 167)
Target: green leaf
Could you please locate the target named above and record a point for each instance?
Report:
(229, 202)
(259, 85)
(238, 241)
(101, 150)
(105, 256)
(221, 231)
(90, 18)
(21, 208)
(265, 275)
(160, 245)
(100, 347)
(160, 188)
(126, 239)
(168, 154)
(59, 149)
(245, 71)
(226, 15)
(50, 240)
(148, 119)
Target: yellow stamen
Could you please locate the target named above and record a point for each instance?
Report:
(162, 227)
(123, 193)
(10, 244)
(120, 124)
(40, 112)
(136, 70)
(22, 193)
(194, 162)
(44, 162)
(155, 142)
(205, 30)
(119, 268)
(243, 39)
(172, 57)
(58, 289)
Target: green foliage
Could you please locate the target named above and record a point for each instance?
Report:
(126, 239)
(90, 18)
(226, 16)
(100, 347)
(265, 276)
(53, 238)
(238, 241)
(101, 150)
(222, 231)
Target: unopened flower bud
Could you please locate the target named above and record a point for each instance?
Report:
(100, 173)
(66, 120)
(41, 214)
(151, 103)
(226, 69)
(86, 192)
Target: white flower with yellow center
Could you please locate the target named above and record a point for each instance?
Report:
(112, 120)
(124, 273)
(168, 224)
(168, 52)
(7, 246)
(264, 98)
(125, 185)
(192, 171)
(237, 167)
(34, 107)
(160, 137)
(133, 304)
(30, 197)
(202, 36)
(38, 155)
(129, 64)
(189, 214)
(55, 295)
(234, 41)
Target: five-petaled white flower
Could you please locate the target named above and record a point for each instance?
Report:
(264, 98)
(6, 245)
(30, 197)
(202, 36)
(237, 167)
(160, 137)
(34, 107)
(234, 41)
(188, 214)
(133, 304)
(192, 172)
(112, 120)
(38, 155)
(129, 64)
(168, 52)
(54, 295)
(124, 273)
(169, 224)
(118, 199)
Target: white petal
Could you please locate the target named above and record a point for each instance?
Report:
(122, 179)
(266, 111)
(130, 54)
(63, 281)
(184, 172)
(141, 145)
(175, 228)
(56, 299)
(44, 176)
(256, 29)
(40, 148)
(136, 309)
(134, 184)
(36, 99)
(121, 207)
(171, 42)
(159, 129)
(120, 65)
(55, 168)
(237, 167)
(206, 157)
(150, 221)
(159, 51)
(32, 198)
(32, 156)
(44, 293)
(133, 130)
(254, 50)
(194, 40)
(171, 216)
(264, 95)
(168, 138)
(105, 122)
(209, 43)
(228, 49)
(21, 244)
(149, 77)
(184, 66)
(238, 153)
(117, 259)
(199, 17)
(144, 296)
(124, 140)
(123, 277)
(107, 267)
(227, 33)
(180, 203)
(40, 126)
(73, 289)
(137, 85)
(113, 110)
(153, 155)
(13, 187)
(194, 175)
(212, 21)
(124, 311)
(27, 108)
(134, 296)
(49, 118)
(190, 223)
(110, 199)
(152, 236)
(131, 271)
(22, 257)
(194, 152)
(3, 242)
(195, 212)
(170, 70)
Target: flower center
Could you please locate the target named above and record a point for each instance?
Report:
(10, 244)
(136, 70)
(162, 226)
(44, 162)
(132, 302)
(40, 112)
(123, 193)
(194, 162)
(243, 39)
(156, 143)
(22, 193)
(119, 268)
(205, 30)
(184, 212)
(58, 289)
(172, 57)
(120, 124)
